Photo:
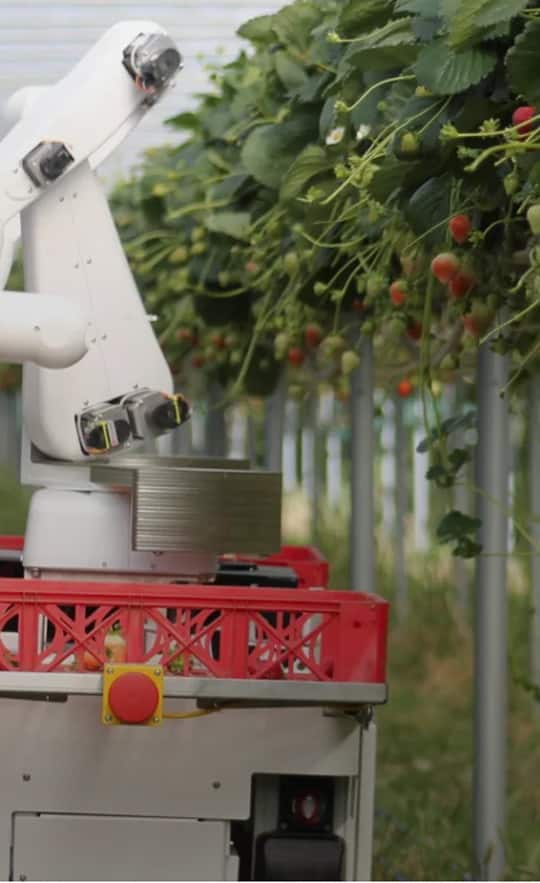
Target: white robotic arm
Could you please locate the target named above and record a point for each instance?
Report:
(84, 317)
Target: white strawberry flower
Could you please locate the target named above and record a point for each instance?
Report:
(335, 135)
(362, 132)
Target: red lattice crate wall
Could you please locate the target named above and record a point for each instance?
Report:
(199, 630)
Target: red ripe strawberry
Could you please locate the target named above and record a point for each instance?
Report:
(251, 267)
(521, 119)
(445, 266)
(405, 388)
(185, 335)
(414, 330)
(313, 335)
(358, 305)
(398, 294)
(461, 284)
(217, 339)
(198, 360)
(296, 356)
(460, 227)
(471, 326)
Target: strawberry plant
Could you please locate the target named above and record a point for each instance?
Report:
(368, 169)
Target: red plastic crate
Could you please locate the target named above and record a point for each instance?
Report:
(199, 630)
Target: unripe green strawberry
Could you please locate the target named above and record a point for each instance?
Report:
(511, 183)
(533, 217)
(375, 284)
(199, 248)
(198, 234)
(291, 263)
(396, 328)
(534, 256)
(349, 361)
(361, 284)
(481, 313)
(179, 255)
(334, 343)
(449, 363)
(409, 144)
(281, 344)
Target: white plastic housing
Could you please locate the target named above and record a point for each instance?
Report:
(91, 110)
(47, 330)
(90, 533)
(71, 246)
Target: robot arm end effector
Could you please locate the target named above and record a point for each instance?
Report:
(137, 416)
(152, 61)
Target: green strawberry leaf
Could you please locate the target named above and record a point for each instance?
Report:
(424, 8)
(446, 72)
(258, 30)
(269, 151)
(523, 63)
(291, 74)
(359, 15)
(429, 207)
(312, 161)
(387, 47)
(234, 224)
(469, 20)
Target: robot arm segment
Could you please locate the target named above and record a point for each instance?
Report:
(86, 113)
(46, 330)
(115, 387)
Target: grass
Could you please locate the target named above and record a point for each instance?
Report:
(13, 503)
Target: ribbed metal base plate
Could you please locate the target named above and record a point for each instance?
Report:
(198, 505)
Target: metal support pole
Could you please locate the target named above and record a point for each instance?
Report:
(251, 440)
(401, 472)
(216, 431)
(310, 476)
(534, 507)
(462, 502)
(290, 448)
(490, 704)
(274, 426)
(334, 461)
(238, 433)
(388, 468)
(362, 557)
(421, 486)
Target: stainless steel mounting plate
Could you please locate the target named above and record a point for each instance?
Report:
(184, 504)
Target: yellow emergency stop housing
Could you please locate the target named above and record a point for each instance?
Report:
(132, 695)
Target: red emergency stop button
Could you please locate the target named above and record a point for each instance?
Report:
(133, 698)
